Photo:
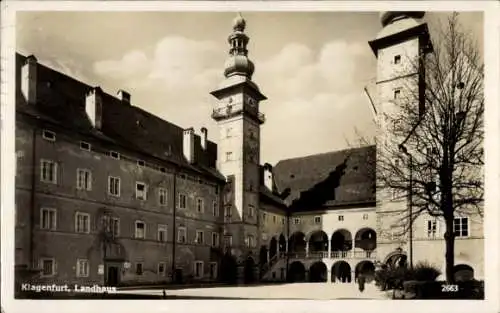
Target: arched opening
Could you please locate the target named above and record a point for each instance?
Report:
(229, 269)
(296, 272)
(397, 259)
(318, 242)
(273, 247)
(365, 268)
(366, 239)
(318, 272)
(282, 244)
(249, 272)
(463, 272)
(341, 272)
(341, 242)
(297, 243)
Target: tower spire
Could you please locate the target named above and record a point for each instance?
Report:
(238, 62)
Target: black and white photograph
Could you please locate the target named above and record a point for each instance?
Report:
(250, 153)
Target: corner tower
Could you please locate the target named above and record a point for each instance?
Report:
(238, 117)
(400, 48)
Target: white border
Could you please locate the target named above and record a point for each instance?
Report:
(492, 38)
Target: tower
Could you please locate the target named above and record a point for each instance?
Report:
(400, 48)
(238, 117)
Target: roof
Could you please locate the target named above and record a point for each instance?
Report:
(339, 178)
(61, 101)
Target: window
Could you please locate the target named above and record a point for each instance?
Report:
(213, 270)
(140, 230)
(199, 237)
(48, 172)
(431, 228)
(161, 269)
(200, 205)
(283, 221)
(397, 59)
(317, 220)
(139, 269)
(296, 220)
(274, 219)
(115, 226)
(228, 132)
(341, 218)
(182, 201)
(85, 146)
(82, 268)
(48, 266)
(461, 226)
(49, 135)
(163, 170)
(229, 156)
(365, 216)
(228, 241)
(141, 190)
(162, 196)
(198, 269)
(250, 241)
(181, 235)
(215, 208)
(264, 217)
(215, 239)
(397, 94)
(141, 163)
(251, 210)
(114, 186)
(82, 222)
(114, 155)
(48, 219)
(162, 233)
(83, 179)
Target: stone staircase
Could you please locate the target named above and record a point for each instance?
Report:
(274, 264)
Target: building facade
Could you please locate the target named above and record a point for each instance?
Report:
(102, 197)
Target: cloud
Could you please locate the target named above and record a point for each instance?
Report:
(314, 95)
(132, 63)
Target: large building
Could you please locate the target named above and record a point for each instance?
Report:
(109, 193)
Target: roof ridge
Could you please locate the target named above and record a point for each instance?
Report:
(326, 153)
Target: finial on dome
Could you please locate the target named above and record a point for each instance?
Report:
(239, 23)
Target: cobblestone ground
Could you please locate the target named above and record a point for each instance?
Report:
(315, 291)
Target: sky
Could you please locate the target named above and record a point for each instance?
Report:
(312, 66)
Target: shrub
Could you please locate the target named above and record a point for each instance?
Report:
(425, 272)
(393, 277)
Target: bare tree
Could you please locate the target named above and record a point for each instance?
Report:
(444, 142)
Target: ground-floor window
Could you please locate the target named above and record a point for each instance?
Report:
(161, 269)
(82, 268)
(198, 269)
(48, 266)
(138, 268)
(213, 270)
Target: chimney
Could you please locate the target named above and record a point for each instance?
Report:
(188, 144)
(268, 176)
(124, 96)
(204, 134)
(93, 107)
(29, 79)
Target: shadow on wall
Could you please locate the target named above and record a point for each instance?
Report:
(322, 191)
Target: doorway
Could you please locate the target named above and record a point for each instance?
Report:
(113, 275)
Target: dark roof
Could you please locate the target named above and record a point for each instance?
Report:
(338, 178)
(61, 101)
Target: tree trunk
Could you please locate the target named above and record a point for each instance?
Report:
(449, 238)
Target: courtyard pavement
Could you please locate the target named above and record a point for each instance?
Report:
(299, 291)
